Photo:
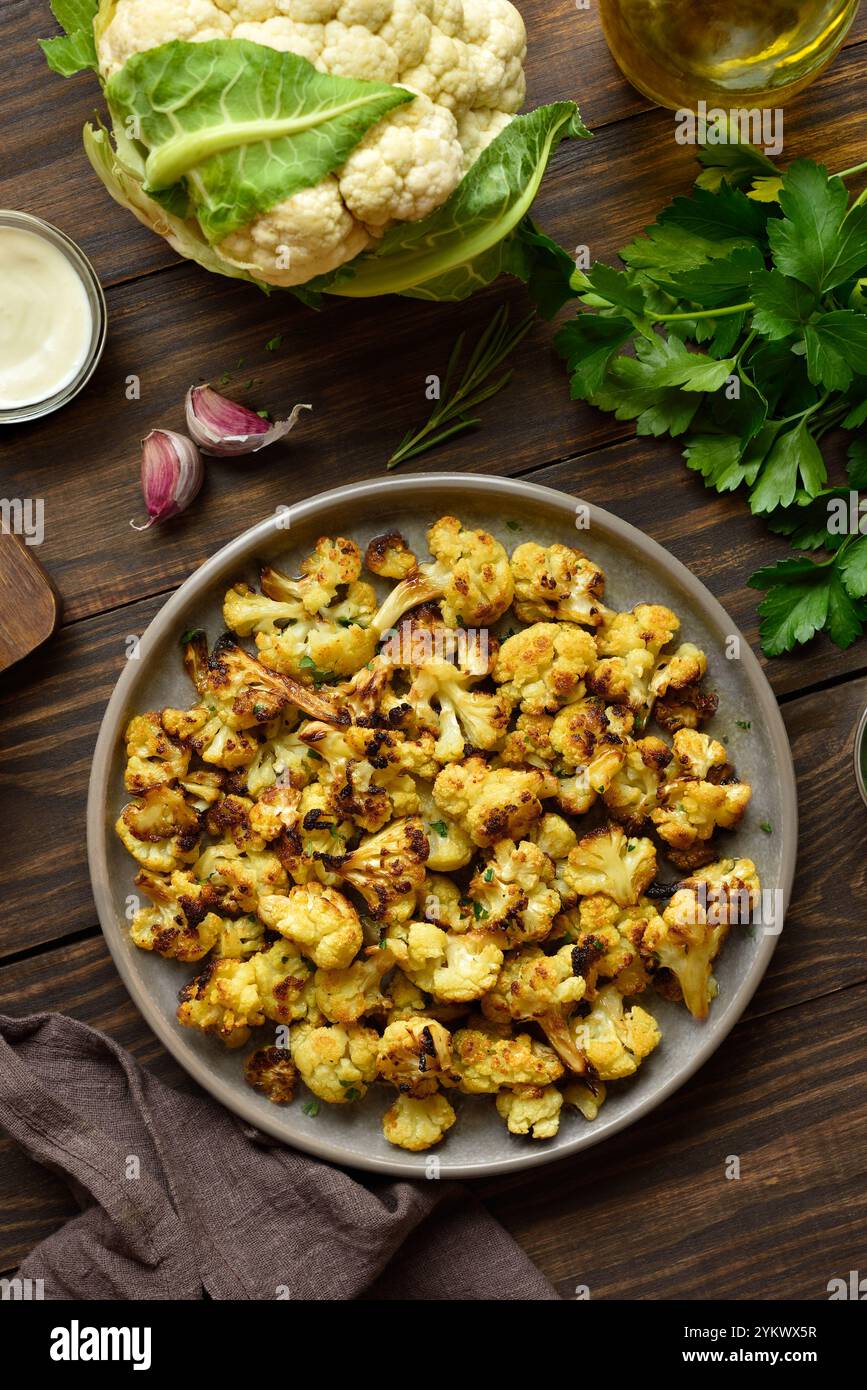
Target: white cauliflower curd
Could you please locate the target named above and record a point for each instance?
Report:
(461, 59)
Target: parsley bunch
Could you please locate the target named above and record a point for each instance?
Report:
(740, 324)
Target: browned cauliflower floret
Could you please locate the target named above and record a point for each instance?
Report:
(344, 996)
(610, 862)
(282, 976)
(152, 757)
(415, 1055)
(485, 1060)
(678, 671)
(541, 668)
(362, 770)
(455, 967)
(240, 937)
(389, 556)
(614, 1039)
(532, 985)
(688, 936)
(690, 805)
(685, 709)
(648, 627)
(469, 575)
(417, 1124)
(529, 743)
(240, 879)
(316, 644)
(493, 804)
(336, 1063)
(450, 847)
(224, 1000)
(591, 748)
(443, 903)
(557, 583)
(608, 943)
(588, 1101)
(321, 921)
(554, 836)
(623, 680)
(533, 1110)
(631, 794)
(387, 869)
(513, 894)
(271, 1071)
(460, 717)
(318, 832)
(160, 829)
(183, 923)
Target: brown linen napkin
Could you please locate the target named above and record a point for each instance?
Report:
(218, 1208)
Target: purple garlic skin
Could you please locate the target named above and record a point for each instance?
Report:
(225, 429)
(172, 471)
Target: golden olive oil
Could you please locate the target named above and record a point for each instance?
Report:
(731, 53)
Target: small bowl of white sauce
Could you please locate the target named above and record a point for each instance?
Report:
(53, 318)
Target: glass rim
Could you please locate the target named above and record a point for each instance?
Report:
(27, 221)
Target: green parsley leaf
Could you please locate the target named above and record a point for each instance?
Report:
(274, 343)
(796, 605)
(836, 346)
(812, 242)
(794, 455)
(488, 875)
(719, 458)
(782, 306)
(767, 827)
(744, 723)
(856, 468)
(480, 913)
(311, 1108)
(717, 283)
(853, 568)
(190, 635)
(587, 344)
(717, 216)
(440, 827)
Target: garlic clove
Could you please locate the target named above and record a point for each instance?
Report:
(172, 471)
(223, 428)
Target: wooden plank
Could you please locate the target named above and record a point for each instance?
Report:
(652, 1215)
(364, 366)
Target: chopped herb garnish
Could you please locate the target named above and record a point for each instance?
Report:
(274, 343)
(311, 1108)
(513, 525)
(479, 912)
(190, 635)
(744, 723)
(488, 875)
(353, 1093)
(311, 753)
(440, 827)
(630, 846)
(767, 827)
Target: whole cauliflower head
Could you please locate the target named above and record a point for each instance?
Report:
(461, 59)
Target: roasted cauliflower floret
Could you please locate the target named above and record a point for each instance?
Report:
(414, 1054)
(183, 923)
(532, 1110)
(542, 667)
(648, 627)
(688, 708)
(513, 894)
(387, 869)
(455, 967)
(679, 671)
(631, 794)
(614, 1039)
(459, 716)
(623, 680)
(224, 1000)
(450, 847)
(417, 1124)
(344, 996)
(532, 985)
(610, 862)
(362, 770)
(529, 743)
(555, 583)
(336, 1063)
(271, 1072)
(469, 575)
(318, 646)
(691, 810)
(579, 1095)
(554, 836)
(390, 557)
(321, 921)
(493, 804)
(688, 936)
(697, 755)
(486, 1059)
(152, 757)
(282, 976)
(608, 943)
(240, 879)
(160, 829)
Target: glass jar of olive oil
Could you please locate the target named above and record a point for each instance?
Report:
(744, 53)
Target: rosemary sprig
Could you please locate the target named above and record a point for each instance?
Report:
(452, 413)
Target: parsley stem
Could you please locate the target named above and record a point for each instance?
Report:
(707, 313)
(849, 173)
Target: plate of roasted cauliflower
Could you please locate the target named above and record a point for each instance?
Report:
(443, 824)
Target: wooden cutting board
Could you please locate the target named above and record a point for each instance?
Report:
(29, 606)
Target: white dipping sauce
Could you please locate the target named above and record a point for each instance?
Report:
(46, 324)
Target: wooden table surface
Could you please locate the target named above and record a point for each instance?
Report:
(649, 1214)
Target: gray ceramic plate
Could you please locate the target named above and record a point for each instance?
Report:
(637, 569)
